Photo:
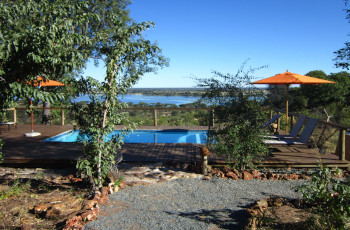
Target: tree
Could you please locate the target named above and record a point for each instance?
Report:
(238, 115)
(343, 55)
(325, 94)
(36, 38)
(127, 58)
(54, 39)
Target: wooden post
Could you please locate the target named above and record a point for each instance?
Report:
(342, 144)
(155, 117)
(204, 151)
(62, 116)
(271, 113)
(291, 122)
(278, 124)
(14, 115)
(205, 165)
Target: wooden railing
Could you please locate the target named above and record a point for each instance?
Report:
(153, 109)
(341, 144)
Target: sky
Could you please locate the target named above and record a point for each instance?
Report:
(202, 36)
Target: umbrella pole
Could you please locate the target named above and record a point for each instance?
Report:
(31, 115)
(287, 86)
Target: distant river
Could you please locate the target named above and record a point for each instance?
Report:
(177, 100)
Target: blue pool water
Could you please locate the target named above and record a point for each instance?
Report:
(145, 136)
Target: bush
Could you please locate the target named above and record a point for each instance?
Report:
(329, 199)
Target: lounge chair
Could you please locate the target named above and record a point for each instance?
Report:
(273, 119)
(8, 125)
(303, 138)
(294, 132)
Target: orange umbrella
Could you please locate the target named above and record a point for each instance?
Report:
(287, 79)
(39, 81)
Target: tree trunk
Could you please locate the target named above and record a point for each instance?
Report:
(46, 113)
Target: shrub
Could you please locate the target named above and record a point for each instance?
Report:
(329, 199)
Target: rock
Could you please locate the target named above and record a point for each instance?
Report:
(75, 180)
(214, 171)
(206, 178)
(74, 223)
(232, 175)
(294, 176)
(90, 204)
(104, 191)
(277, 202)
(262, 205)
(304, 176)
(238, 173)
(100, 198)
(90, 215)
(209, 168)
(270, 176)
(247, 175)
(285, 177)
(226, 169)
(53, 213)
(122, 184)
(256, 174)
(41, 208)
(110, 188)
(222, 175)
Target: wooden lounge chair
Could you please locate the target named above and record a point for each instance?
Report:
(303, 138)
(293, 133)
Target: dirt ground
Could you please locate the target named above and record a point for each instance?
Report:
(39, 198)
(45, 199)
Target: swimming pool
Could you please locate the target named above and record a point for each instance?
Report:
(145, 136)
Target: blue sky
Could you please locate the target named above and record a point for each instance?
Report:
(200, 36)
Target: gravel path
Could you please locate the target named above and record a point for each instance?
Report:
(188, 204)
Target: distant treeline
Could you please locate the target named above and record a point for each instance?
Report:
(168, 91)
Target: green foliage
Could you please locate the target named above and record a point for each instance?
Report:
(15, 189)
(324, 94)
(238, 117)
(127, 57)
(329, 198)
(41, 38)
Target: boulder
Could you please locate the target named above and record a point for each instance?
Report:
(247, 175)
(232, 175)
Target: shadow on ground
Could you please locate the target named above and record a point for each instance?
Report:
(224, 218)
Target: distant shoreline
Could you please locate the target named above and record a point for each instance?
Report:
(195, 92)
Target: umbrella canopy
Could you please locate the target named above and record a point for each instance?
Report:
(41, 82)
(287, 79)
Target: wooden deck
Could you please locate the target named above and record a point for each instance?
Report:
(32, 152)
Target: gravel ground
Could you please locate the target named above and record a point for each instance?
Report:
(188, 204)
